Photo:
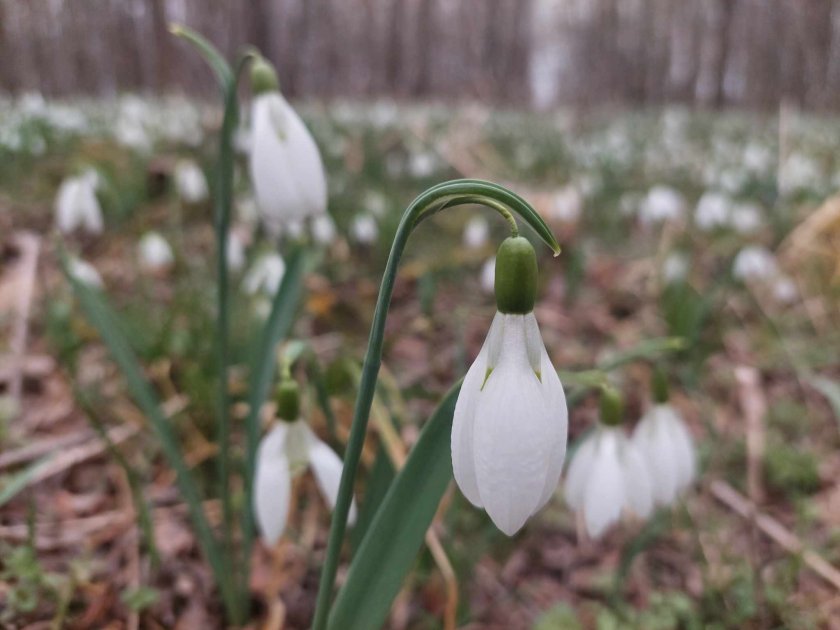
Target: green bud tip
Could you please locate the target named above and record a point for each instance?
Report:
(288, 400)
(612, 407)
(659, 385)
(263, 76)
(516, 276)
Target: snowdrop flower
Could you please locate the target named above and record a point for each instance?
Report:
(661, 204)
(746, 218)
(323, 229)
(666, 447)
(422, 164)
(784, 290)
(364, 229)
(476, 233)
(190, 182)
(675, 268)
(712, 211)
(608, 475)
(235, 252)
(154, 253)
(285, 165)
(488, 275)
(76, 205)
(84, 272)
(285, 452)
(754, 262)
(295, 229)
(510, 423)
(375, 203)
(265, 275)
(566, 205)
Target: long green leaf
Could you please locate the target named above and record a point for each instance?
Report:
(264, 365)
(830, 389)
(20, 480)
(220, 67)
(103, 319)
(392, 541)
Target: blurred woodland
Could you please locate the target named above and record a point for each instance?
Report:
(753, 53)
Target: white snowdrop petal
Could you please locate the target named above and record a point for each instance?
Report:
(638, 490)
(604, 494)
(286, 168)
(513, 435)
(272, 485)
(654, 443)
(555, 400)
(579, 469)
(683, 446)
(463, 421)
(327, 467)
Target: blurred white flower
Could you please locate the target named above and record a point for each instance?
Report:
(295, 228)
(566, 205)
(265, 275)
(608, 476)
(476, 232)
(154, 252)
(675, 267)
(661, 204)
(629, 204)
(286, 169)
(713, 211)
(746, 218)
(667, 450)
(375, 203)
(488, 275)
(785, 290)
(423, 164)
(323, 229)
(285, 452)
(754, 262)
(190, 182)
(76, 205)
(758, 159)
(84, 272)
(799, 172)
(510, 424)
(247, 211)
(235, 252)
(364, 229)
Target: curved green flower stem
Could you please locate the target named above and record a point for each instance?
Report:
(435, 199)
(228, 80)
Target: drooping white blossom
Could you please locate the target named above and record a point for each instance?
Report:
(510, 424)
(323, 229)
(667, 450)
(76, 205)
(488, 275)
(285, 452)
(662, 204)
(265, 275)
(476, 233)
(235, 251)
(154, 252)
(754, 262)
(190, 182)
(566, 205)
(84, 272)
(713, 211)
(364, 229)
(286, 169)
(607, 477)
(675, 267)
(746, 218)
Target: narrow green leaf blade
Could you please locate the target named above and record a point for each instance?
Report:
(103, 319)
(392, 541)
(830, 389)
(220, 67)
(20, 480)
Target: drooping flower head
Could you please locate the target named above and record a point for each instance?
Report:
(286, 169)
(666, 446)
(76, 205)
(154, 252)
(510, 422)
(190, 182)
(608, 476)
(265, 275)
(284, 453)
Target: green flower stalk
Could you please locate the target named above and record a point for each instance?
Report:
(435, 199)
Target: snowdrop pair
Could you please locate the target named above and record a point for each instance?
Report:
(76, 205)
(285, 452)
(285, 165)
(612, 474)
(510, 423)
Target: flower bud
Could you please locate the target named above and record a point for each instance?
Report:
(288, 400)
(263, 77)
(612, 407)
(516, 276)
